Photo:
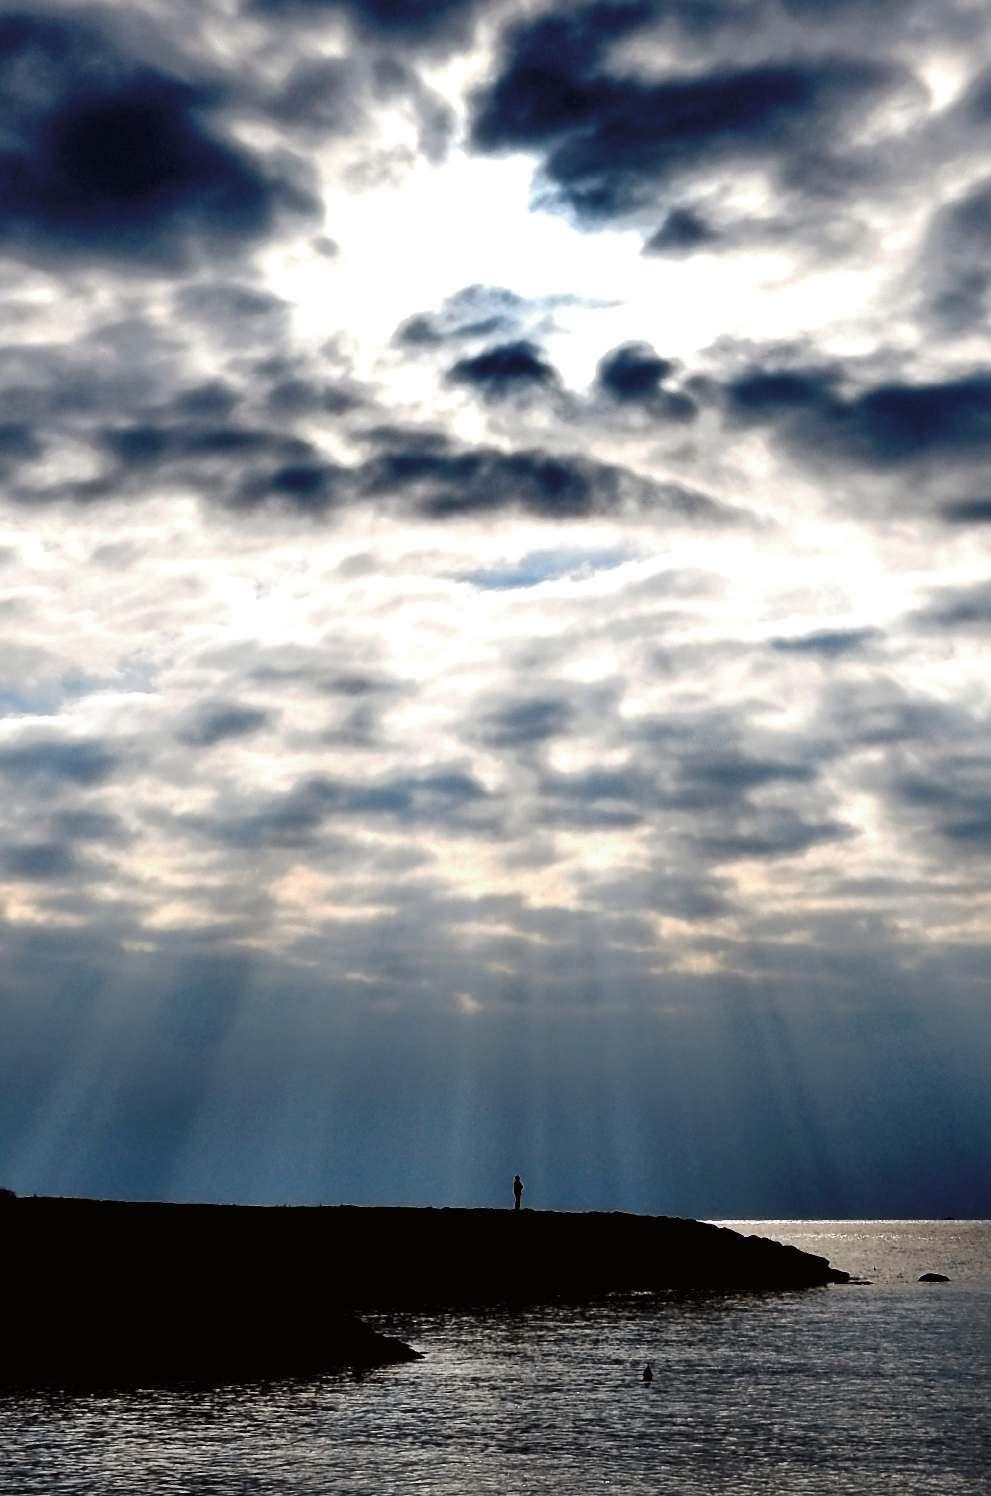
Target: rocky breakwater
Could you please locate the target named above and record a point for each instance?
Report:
(105, 1291)
(406, 1258)
(100, 1294)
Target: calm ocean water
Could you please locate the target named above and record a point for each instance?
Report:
(882, 1388)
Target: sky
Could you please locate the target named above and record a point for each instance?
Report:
(495, 504)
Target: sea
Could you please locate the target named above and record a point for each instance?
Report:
(873, 1388)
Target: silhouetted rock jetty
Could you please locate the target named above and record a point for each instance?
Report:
(113, 1291)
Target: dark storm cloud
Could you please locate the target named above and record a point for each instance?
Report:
(131, 393)
(432, 23)
(681, 232)
(885, 426)
(611, 140)
(761, 394)
(242, 467)
(954, 263)
(633, 375)
(968, 512)
(222, 722)
(445, 481)
(231, 441)
(308, 486)
(58, 761)
(19, 441)
(633, 371)
(238, 465)
(109, 158)
(213, 400)
(150, 445)
(505, 369)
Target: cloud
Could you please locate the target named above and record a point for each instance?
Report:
(681, 232)
(770, 835)
(108, 158)
(336, 98)
(524, 723)
(98, 826)
(308, 486)
(439, 798)
(505, 369)
(427, 23)
(954, 263)
(309, 650)
(326, 96)
(222, 722)
(473, 312)
(633, 375)
(445, 481)
(948, 797)
(40, 862)
(612, 141)
(958, 609)
(237, 313)
(881, 427)
(58, 761)
(481, 312)
(242, 466)
(828, 644)
(633, 372)
(968, 512)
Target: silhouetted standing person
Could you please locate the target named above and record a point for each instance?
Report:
(517, 1191)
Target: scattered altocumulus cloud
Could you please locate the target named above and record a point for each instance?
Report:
(494, 597)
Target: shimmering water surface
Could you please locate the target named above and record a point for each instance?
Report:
(881, 1388)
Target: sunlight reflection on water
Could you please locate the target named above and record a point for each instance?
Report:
(842, 1390)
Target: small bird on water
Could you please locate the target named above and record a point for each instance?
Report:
(648, 1375)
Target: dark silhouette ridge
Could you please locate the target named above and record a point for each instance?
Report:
(117, 1292)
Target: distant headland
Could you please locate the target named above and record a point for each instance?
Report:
(111, 1291)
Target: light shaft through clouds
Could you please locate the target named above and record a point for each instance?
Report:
(494, 603)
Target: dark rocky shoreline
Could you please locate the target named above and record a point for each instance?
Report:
(118, 1292)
